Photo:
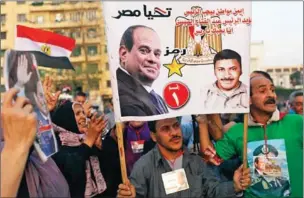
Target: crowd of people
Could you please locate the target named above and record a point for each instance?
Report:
(202, 157)
(205, 153)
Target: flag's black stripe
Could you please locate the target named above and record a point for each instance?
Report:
(55, 62)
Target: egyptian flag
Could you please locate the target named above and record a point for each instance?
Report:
(50, 49)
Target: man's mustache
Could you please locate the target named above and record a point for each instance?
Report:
(270, 101)
(175, 137)
(226, 79)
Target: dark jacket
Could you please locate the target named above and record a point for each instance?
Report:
(72, 163)
(147, 173)
(110, 166)
(133, 97)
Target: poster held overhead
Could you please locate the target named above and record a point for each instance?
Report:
(173, 59)
(178, 59)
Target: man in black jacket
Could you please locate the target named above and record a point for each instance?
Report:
(139, 55)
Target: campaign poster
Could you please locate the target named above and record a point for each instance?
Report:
(269, 168)
(20, 71)
(172, 59)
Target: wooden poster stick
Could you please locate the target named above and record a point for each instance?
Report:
(121, 149)
(245, 140)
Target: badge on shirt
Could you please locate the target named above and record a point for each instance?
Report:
(137, 146)
(175, 181)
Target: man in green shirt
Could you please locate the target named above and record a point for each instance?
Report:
(275, 145)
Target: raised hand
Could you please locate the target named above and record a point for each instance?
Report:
(97, 125)
(87, 106)
(50, 97)
(18, 122)
(201, 119)
(19, 130)
(22, 75)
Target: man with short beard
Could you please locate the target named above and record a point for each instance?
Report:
(265, 127)
(228, 92)
(156, 173)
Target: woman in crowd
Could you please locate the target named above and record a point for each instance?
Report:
(79, 145)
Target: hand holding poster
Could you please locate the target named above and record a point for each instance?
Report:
(20, 71)
(171, 59)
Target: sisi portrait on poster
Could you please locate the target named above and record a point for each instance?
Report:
(178, 59)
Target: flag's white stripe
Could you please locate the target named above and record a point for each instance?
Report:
(24, 44)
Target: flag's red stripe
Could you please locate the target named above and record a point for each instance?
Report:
(43, 36)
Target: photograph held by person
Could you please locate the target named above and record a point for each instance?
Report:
(146, 179)
(23, 174)
(78, 151)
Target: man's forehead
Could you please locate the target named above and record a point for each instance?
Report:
(299, 98)
(227, 63)
(166, 122)
(259, 81)
(80, 97)
(144, 35)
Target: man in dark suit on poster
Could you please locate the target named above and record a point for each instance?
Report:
(139, 55)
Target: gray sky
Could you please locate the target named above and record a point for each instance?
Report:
(280, 26)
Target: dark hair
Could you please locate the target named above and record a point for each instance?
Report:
(127, 37)
(295, 94)
(64, 117)
(80, 93)
(256, 160)
(152, 126)
(227, 54)
(265, 74)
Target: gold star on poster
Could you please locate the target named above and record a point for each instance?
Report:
(174, 67)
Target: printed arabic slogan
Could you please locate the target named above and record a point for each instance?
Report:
(172, 59)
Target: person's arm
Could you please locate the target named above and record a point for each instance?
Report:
(225, 147)
(19, 130)
(228, 126)
(138, 179)
(215, 126)
(204, 134)
(13, 163)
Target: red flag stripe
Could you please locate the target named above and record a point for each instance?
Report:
(47, 37)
